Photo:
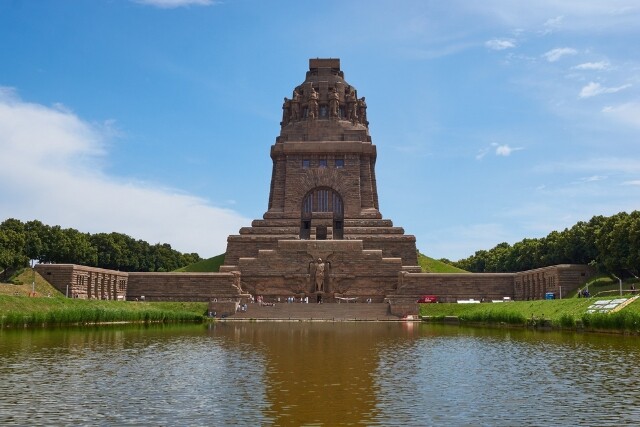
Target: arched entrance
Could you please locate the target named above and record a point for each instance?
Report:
(322, 208)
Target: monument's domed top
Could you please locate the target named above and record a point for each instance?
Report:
(324, 107)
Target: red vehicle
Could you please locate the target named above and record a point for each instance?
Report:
(427, 299)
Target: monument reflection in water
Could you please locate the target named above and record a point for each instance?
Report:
(304, 373)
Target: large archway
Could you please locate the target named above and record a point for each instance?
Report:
(322, 200)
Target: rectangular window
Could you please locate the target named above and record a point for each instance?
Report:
(306, 163)
(339, 163)
(322, 163)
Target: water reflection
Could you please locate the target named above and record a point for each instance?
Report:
(303, 373)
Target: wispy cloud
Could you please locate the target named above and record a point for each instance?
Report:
(555, 54)
(55, 175)
(172, 4)
(594, 89)
(503, 150)
(552, 25)
(601, 65)
(633, 182)
(628, 113)
(500, 44)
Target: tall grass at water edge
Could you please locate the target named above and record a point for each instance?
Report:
(566, 313)
(28, 312)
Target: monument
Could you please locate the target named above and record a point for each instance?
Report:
(322, 238)
(323, 233)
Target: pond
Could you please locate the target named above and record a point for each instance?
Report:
(311, 373)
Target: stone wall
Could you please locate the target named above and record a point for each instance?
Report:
(79, 281)
(289, 270)
(558, 279)
(452, 287)
(182, 286)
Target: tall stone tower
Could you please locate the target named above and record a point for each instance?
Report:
(323, 233)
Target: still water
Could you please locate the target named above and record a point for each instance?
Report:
(300, 373)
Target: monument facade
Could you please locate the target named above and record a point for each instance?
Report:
(323, 233)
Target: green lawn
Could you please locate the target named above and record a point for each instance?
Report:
(211, 265)
(430, 265)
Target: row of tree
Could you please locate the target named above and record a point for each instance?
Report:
(21, 242)
(611, 244)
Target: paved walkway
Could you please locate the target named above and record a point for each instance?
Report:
(329, 312)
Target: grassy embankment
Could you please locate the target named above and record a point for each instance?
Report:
(211, 265)
(568, 313)
(430, 265)
(50, 307)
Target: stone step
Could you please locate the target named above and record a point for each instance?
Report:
(314, 311)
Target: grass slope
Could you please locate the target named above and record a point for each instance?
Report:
(211, 265)
(430, 265)
(564, 313)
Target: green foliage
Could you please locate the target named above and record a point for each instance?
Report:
(431, 265)
(34, 240)
(211, 265)
(612, 244)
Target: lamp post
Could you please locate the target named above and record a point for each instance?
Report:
(619, 280)
(33, 278)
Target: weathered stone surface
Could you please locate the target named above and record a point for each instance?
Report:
(323, 202)
(78, 281)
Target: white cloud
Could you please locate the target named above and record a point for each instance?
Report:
(593, 178)
(628, 113)
(601, 65)
(634, 182)
(52, 172)
(171, 4)
(505, 150)
(594, 89)
(497, 44)
(500, 150)
(552, 25)
(555, 54)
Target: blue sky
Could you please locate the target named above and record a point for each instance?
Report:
(494, 121)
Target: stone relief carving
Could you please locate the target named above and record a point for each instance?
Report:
(286, 111)
(312, 104)
(319, 276)
(362, 111)
(237, 283)
(352, 103)
(305, 105)
(295, 106)
(334, 103)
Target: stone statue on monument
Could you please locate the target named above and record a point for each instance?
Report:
(362, 111)
(313, 104)
(295, 106)
(334, 103)
(319, 275)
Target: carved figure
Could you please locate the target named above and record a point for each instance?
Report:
(352, 102)
(295, 106)
(313, 104)
(286, 112)
(334, 103)
(237, 281)
(319, 276)
(362, 111)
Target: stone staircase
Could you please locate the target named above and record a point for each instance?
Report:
(313, 311)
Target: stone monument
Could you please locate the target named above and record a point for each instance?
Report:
(323, 203)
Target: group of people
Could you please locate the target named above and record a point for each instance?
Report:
(583, 293)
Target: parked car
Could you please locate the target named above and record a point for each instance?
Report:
(426, 299)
